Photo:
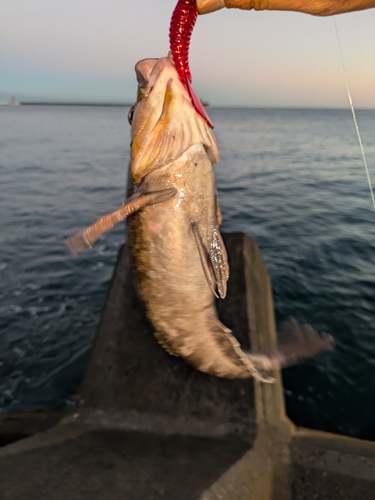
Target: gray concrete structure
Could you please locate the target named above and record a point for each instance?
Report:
(150, 427)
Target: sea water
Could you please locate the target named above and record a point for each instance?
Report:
(292, 179)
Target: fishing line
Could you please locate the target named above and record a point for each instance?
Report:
(61, 367)
(354, 116)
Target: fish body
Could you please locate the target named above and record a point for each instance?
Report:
(179, 258)
(178, 254)
(173, 242)
(169, 275)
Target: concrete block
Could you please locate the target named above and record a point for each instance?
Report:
(129, 375)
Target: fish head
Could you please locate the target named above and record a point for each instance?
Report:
(164, 122)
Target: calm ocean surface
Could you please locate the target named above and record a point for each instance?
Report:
(291, 179)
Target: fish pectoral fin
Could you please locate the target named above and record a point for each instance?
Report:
(87, 237)
(219, 262)
(300, 342)
(214, 261)
(205, 259)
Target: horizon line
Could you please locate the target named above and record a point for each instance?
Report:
(122, 104)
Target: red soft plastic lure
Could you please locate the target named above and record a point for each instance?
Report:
(181, 27)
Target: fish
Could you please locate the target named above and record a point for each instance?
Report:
(173, 218)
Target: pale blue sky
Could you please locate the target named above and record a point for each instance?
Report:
(85, 50)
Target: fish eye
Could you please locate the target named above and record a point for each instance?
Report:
(131, 114)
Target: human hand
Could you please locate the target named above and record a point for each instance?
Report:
(315, 7)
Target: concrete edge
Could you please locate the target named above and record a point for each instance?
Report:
(16, 426)
(335, 442)
(249, 478)
(255, 474)
(132, 420)
(57, 434)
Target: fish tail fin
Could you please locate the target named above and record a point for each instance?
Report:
(298, 343)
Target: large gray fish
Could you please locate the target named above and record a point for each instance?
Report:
(176, 247)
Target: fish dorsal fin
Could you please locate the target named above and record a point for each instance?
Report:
(165, 125)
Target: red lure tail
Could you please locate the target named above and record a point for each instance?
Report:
(182, 24)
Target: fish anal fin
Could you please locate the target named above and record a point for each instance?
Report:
(87, 237)
(241, 365)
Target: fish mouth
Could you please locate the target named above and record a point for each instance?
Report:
(164, 124)
(147, 71)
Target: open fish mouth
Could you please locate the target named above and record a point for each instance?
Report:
(164, 122)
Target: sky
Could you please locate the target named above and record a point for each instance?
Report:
(85, 51)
